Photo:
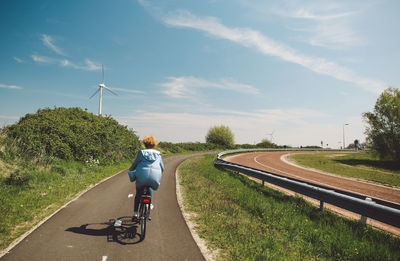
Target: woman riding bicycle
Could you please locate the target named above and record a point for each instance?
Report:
(148, 168)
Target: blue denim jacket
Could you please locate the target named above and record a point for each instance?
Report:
(149, 167)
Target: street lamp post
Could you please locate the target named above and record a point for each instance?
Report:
(344, 144)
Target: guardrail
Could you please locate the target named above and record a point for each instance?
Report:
(383, 211)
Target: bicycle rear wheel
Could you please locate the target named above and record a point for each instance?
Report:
(143, 214)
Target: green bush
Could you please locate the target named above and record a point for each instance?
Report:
(72, 134)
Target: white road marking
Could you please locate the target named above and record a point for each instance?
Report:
(287, 173)
(117, 223)
(130, 195)
(104, 258)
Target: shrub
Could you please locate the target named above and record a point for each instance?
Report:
(72, 134)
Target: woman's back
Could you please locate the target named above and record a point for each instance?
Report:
(149, 168)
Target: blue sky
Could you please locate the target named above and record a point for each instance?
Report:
(291, 71)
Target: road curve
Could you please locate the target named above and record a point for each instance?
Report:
(83, 230)
(271, 162)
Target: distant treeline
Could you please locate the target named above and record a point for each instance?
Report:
(198, 146)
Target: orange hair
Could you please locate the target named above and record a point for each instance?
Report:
(149, 142)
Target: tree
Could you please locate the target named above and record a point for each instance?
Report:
(220, 135)
(266, 143)
(383, 132)
(355, 145)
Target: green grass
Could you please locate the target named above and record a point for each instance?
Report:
(360, 165)
(32, 193)
(249, 222)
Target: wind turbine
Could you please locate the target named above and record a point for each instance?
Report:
(101, 87)
(271, 135)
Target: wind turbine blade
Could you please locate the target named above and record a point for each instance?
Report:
(108, 89)
(102, 70)
(95, 93)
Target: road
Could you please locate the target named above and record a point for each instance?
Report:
(271, 162)
(84, 229)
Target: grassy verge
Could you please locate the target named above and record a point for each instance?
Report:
(361, 165)
(32, 193)
(249, 222)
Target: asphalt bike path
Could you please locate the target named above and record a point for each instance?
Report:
(84, 230)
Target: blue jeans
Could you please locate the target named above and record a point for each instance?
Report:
(139, 193)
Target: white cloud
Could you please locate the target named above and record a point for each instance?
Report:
(254, 39)
(335, 35)
(323, 23)
(10, 86)
(128, 90)
(314, 13)
(89, 65)
(48, 41)
(66, 63)
(19, 60)
(143, 3)
(186, 87)
(247, 127)
(42, 59)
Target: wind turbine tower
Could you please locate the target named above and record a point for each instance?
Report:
(271, 135)
(101, 87)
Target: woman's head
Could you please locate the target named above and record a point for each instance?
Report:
(149, 142)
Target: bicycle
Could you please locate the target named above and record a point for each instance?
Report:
(144, 211)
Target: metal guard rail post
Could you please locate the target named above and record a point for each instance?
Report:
(367, 208)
